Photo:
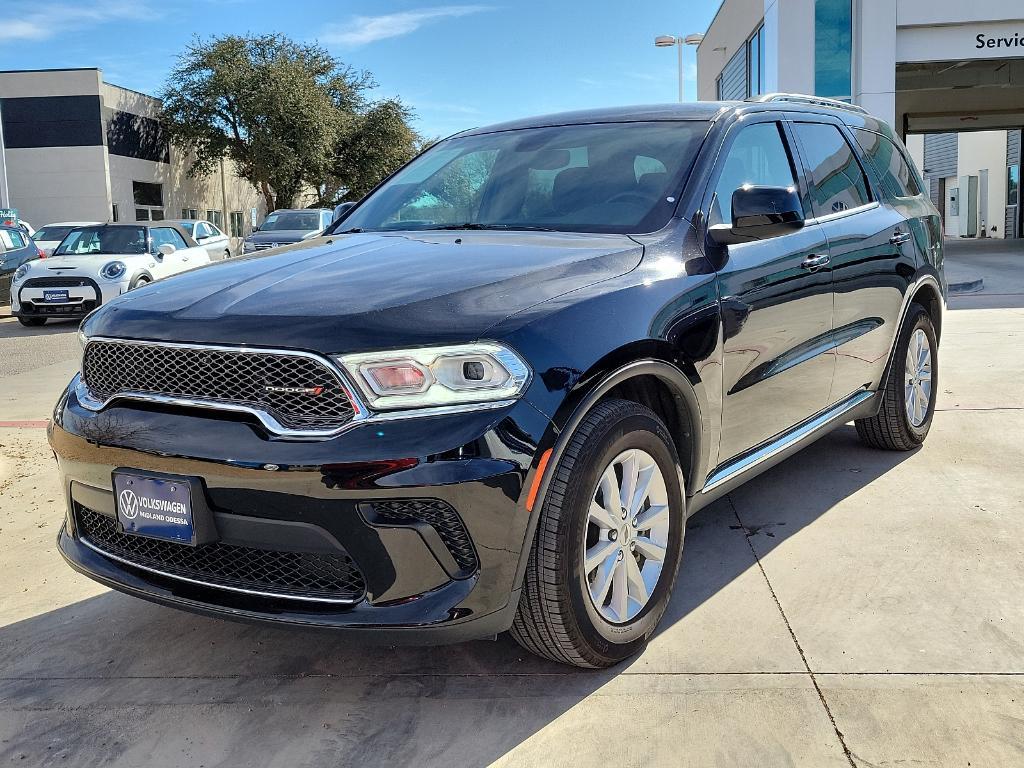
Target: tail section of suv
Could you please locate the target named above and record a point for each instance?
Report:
(491, 400)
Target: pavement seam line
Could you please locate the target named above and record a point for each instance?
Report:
(792, 634)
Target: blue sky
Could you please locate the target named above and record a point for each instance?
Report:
(458, 65)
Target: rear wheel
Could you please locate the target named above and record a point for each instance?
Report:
(908, 401)
(608, 542)
(32, 322)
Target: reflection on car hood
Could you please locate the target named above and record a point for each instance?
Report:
(280, 236)
(367, 291)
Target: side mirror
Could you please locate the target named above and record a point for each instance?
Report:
(255, 229)
(202, 237)
(166, 249)
(340, 210)
(760, 213)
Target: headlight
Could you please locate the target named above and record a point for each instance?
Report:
(20, 272)
(438, 376)
(113, 270)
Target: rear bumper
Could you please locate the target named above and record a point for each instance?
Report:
(422, 582)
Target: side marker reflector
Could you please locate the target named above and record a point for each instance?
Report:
(542, 465)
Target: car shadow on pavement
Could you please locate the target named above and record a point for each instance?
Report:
(11, 327)
(122, 681)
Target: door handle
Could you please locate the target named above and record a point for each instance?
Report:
(898, 238)
(813, 262)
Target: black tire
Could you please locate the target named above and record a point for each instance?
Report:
(139, 281)
(556, 618)
(891, 428)
(227, 255)
(32, 322)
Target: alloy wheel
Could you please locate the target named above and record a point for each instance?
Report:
(626, 536)
(918, 378)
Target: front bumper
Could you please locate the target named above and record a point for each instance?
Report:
(421, 582)
(28, 297)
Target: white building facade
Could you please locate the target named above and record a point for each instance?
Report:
(76, 148)
(932, 68)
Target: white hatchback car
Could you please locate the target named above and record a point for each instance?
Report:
(94, 264)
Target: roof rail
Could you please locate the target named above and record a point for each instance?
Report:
(800, 98)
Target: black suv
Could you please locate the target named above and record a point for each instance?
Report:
(491, 399)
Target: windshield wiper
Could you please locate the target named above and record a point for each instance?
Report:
(505, 227)
(353, 231)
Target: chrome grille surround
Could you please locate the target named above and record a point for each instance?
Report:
(242, 379)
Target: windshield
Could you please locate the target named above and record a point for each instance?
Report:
(52, 234)
(308, 221)
(96, 240)
(611, 177)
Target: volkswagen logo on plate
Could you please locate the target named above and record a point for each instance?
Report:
(129, 503)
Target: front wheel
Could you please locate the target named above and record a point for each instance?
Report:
(908, 401)
(138, 282)
(608, 543)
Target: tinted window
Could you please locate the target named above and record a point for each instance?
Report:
(897, 178)
(113, 240)
(147, 193)
(607, 177)
(12, 239)
(307, 221)
(163, 235)
(52, 234)
(836, 177)
(833, 46)
(190, 227)
(1012, 184)
(757, 157)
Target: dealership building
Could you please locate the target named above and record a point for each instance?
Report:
(949, 77)
(76, 148)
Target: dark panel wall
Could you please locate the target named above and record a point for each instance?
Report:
(733, 82)
(52, 121)
(135, 136)
(940, 159)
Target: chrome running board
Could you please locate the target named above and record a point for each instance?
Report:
(797, 434)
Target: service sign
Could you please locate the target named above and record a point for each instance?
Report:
(961, 42)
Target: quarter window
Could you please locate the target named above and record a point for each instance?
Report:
(898, 180)
(758, 156)
(837, 180)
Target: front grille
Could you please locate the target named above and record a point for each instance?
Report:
(300, 392)
(77, 308)
(296, 575)
(437, 514)
(58, 282)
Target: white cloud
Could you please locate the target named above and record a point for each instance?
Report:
(361, 30)
(41, 21)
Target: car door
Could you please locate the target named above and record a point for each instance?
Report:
(776, 299)
(871, 251)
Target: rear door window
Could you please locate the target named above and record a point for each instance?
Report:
(895, 173)
(836, 178)
(758, 157)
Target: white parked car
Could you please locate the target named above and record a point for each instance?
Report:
(49, 237)
(216, 243)
(94, 264)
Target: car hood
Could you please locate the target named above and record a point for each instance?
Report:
(84, 263)
(367, 291)
(280, 236)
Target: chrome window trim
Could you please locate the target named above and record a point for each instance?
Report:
(362, 414)
(213, 585)
(842, 214)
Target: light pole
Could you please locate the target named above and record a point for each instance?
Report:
(667, 41)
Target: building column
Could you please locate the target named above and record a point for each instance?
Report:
(789, 30)
(874, 58)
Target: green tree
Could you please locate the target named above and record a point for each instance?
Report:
(275, 107)
(373, 143)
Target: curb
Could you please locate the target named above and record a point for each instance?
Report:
(968, 286)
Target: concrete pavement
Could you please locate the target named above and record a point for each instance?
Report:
(849, 607)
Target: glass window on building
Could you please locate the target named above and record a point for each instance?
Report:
(237, 224)
(1013, 185)
(149, 201)
(755, 63)
(216, 218)
(115, 212)
(833, 49)
(190, 213)
(836, 177)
